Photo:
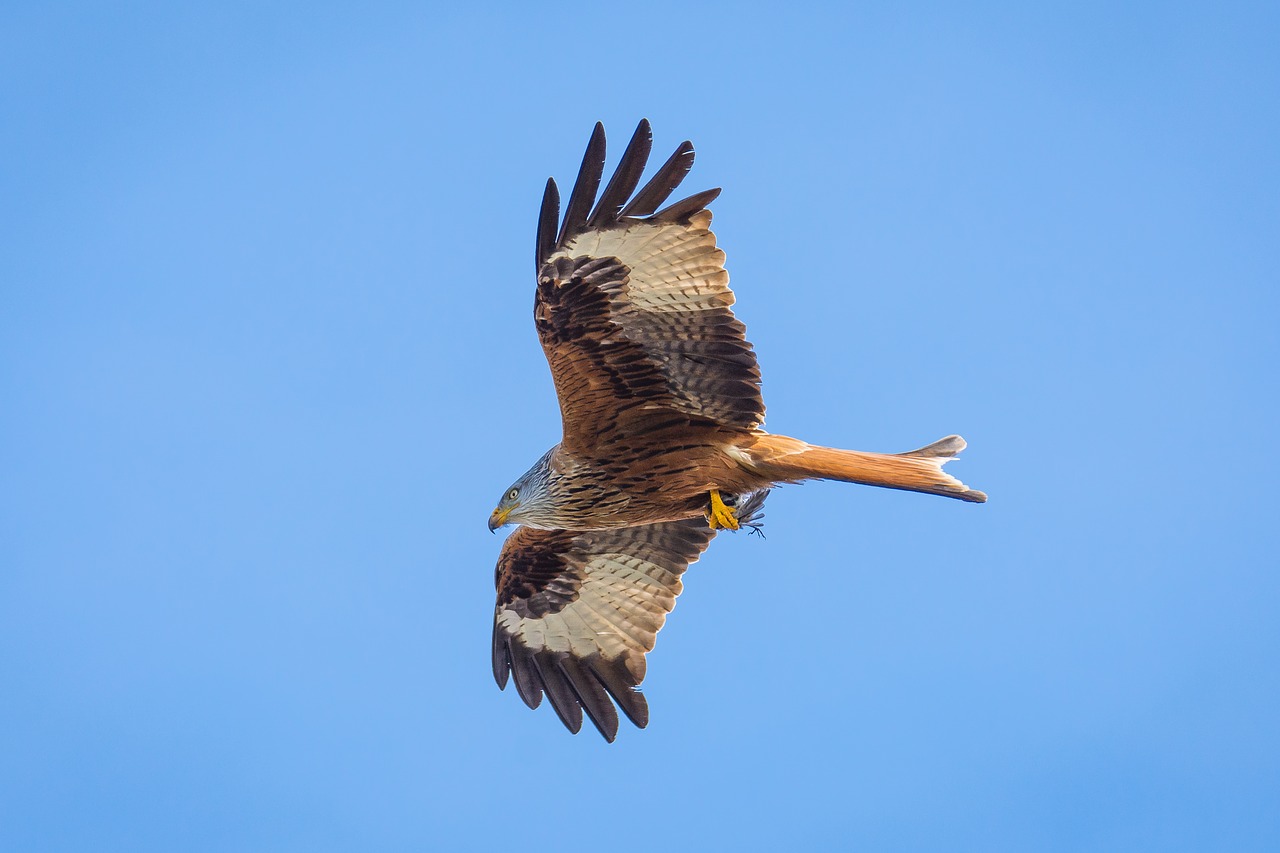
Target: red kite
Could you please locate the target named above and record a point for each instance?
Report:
(663, 442)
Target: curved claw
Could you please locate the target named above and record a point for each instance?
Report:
(721, 515)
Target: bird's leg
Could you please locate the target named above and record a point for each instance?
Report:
(721, 514)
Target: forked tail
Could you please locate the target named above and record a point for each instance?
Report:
(784, 459)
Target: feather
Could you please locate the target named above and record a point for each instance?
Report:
(525, 673)
(548, 218)
(501, 663)
(584, 188)
(682, 210)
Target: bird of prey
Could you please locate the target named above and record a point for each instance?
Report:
(663, 440)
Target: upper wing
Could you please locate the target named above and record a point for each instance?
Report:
(633, 307)
(577, 612)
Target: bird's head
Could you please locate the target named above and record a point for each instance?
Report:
(524, 499)
(509, 504)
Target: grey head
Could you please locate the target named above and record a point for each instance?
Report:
(527, 500)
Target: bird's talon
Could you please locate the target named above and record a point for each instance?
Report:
(721, 515)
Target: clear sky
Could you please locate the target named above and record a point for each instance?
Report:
(267, 362)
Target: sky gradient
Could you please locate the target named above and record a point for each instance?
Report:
(267, 361)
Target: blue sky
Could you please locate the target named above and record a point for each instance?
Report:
(267, 361)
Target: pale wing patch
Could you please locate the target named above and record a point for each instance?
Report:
(674, 267)
(621, 605)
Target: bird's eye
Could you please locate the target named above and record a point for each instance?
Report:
(513, 494)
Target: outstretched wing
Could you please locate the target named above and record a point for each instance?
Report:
(633, 307)
(577, 612)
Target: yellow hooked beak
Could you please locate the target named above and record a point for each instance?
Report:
(499, 518)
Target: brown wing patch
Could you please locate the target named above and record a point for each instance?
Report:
(577, 613)
(532, 576)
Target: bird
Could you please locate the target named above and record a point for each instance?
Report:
(663, 438)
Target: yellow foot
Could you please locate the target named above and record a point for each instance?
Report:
(722, 515)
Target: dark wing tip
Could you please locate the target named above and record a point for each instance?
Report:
(683, 209)
(584, 188)
(548, 219)
(579, 215)
(525, 672)
(501, 660)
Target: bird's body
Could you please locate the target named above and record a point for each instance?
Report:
(617, 488)
(671, 477)
(663, 420)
